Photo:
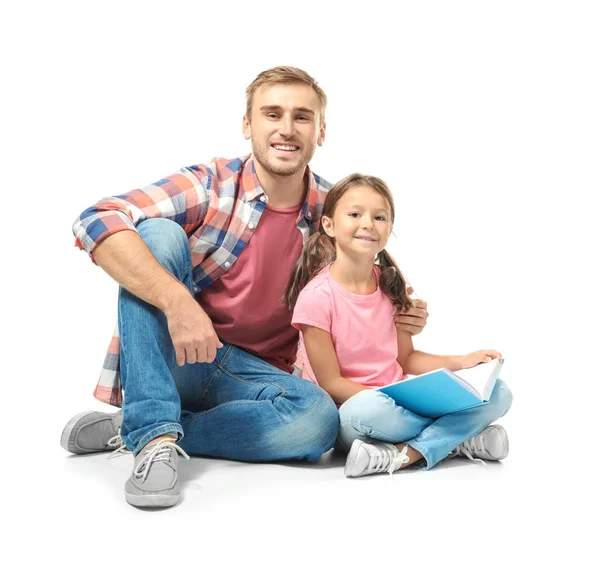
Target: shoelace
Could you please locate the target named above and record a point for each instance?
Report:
(472, 446)
(382, 458)
(399, 461)
(117, 441)
(387, 458)
(161, 451)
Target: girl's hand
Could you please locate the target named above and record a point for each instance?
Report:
(483, 356)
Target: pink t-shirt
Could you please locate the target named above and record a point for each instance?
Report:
(245, 303)
(361, 327)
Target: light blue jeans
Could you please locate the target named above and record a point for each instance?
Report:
(372, 415)
(237, 407)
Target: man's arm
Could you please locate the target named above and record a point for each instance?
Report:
(181, 197)
(127, 259)
(107, 231)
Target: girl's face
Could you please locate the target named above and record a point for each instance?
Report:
(361, 222)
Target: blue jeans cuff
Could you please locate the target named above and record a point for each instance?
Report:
(158, 431)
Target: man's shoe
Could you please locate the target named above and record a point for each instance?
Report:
(92, 431)
(153, 482)
(490, 444)
(364, 459)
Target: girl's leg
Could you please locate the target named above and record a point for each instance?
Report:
(444, 434)
(372, 416)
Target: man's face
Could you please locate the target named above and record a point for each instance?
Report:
(284, 127)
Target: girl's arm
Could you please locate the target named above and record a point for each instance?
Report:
(416, 362)
(323, 360)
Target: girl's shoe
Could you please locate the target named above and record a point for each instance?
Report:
(490, 444)
(364, 459)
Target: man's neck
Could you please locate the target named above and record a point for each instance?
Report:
(283, 191)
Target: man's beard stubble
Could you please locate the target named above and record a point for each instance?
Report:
(279, 169)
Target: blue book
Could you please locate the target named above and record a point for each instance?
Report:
(442, 391)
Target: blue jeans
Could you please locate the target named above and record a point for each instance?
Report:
(236, 407)
(372, 415)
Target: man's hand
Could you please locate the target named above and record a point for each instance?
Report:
(192, 332)
(412, 320)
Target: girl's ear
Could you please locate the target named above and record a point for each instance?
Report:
(327, 226)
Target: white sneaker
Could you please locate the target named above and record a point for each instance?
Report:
(364, 459)
(490, 444)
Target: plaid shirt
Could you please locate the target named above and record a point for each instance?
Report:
(219, 206)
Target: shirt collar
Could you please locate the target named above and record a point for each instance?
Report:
(253, 190)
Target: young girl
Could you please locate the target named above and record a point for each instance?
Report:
(345, 290)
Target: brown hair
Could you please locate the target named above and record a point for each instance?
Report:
(284, 74)
(320, 248)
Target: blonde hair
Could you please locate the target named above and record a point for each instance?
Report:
(320, 248)
(284, 74)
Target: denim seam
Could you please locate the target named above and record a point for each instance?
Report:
(225, 405)
(189, 277)
(242, 380)
(217, 370)
(361, 426)
(424, 452)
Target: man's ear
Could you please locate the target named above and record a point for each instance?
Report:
(321, 138)
(327, 226)
(246, 129)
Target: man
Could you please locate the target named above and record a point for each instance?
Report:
(205, 348)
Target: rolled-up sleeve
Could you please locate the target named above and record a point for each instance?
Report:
(182, 197)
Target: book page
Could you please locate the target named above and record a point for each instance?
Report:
(479, 375)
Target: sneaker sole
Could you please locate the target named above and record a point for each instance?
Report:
(154, 501)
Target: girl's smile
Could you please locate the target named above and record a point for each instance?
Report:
(361, 222)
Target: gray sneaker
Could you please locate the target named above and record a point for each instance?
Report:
(92, 431)
(490, 444)
(364, 459)
(153, 482)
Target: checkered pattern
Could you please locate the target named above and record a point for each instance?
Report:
(214, 204)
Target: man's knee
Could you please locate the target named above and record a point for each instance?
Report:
(325, 427)
(167, 241)
(315, 429)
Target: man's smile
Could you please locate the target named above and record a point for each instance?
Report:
(286, 148)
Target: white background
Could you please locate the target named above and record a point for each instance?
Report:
(483, 117)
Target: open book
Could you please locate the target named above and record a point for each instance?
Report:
(442, 392)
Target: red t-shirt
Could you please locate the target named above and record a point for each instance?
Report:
(245, 303)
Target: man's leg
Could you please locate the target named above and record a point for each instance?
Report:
(249, 410)
(151, 405)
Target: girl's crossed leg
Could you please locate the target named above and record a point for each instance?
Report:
(371, 416)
